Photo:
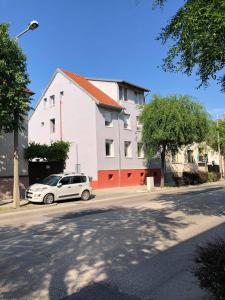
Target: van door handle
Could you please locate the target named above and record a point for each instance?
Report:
(80, 185)
(69, 187)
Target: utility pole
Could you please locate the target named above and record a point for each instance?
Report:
(219, 150)
(16, 182)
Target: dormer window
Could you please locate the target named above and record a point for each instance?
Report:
(122, 93)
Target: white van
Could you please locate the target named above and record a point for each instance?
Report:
(59, 187)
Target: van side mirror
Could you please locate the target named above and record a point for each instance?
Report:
(59, 184)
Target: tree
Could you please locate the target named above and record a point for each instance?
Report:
(170, 123)
(14, 102)
(216, 138)
(197, 31)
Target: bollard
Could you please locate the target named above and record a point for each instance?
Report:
(150, 183)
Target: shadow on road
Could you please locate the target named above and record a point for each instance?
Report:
(103, 251)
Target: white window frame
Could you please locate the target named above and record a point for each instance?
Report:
(123, 91)
(127, 149)
(108, 119)
(52, 101)
(138, 124)
(141, 149)
(111, 147)
(52, 125)
(126, 117)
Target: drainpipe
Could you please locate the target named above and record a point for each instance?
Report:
(119, 148)
(60, 114)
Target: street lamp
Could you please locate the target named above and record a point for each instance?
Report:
(16, 190)
(32, 26)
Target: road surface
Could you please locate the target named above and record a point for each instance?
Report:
(135, 247)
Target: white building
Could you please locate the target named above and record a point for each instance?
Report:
(100, 119)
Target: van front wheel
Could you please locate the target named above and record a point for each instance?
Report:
(48, 199)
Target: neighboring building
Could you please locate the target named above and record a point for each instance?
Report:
(191, 159)
(6, 160)
(101, 120)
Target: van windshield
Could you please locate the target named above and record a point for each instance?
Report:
(51, 180)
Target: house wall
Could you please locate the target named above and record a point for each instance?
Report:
(78, 124)
(123, 170)
(108, 87)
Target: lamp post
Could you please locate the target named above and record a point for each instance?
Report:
(16, 189)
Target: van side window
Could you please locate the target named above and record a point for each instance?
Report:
(78, 179)
(65, 180)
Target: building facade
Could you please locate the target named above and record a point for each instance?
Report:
(100, 118)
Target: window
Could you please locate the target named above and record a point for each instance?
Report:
(129, 175)
(126, 121)
(52, 125)
(140, 150)
(190, 157)
(136, 97)
(140, 98)
(139, 125)
(108, 119)
(78, 179)
(45, 103)
(127, 149)
(65, 180)
(109, 148)
(110, 176)
(52, 101)
(122, 93)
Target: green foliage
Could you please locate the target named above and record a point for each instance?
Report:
(14, 103)
(197, 32)
(57, 151)
(173, 121)
(213, 176)
(215, 129)
(209, 268)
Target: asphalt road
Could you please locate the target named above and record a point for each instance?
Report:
(137, 246)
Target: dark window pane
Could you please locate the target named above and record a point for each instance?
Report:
(76, 179)
(65, 180)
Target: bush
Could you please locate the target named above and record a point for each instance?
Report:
(57, 151)
(195, 178)
(209, 268)
(213, 176)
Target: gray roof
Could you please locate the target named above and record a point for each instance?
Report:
(120, 81)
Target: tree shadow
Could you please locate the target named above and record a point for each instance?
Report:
(69, 252)
(210, 201)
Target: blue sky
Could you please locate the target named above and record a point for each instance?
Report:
(102, 38)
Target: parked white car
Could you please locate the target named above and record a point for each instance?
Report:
(60, 187)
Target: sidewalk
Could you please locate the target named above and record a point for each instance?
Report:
(108, 194)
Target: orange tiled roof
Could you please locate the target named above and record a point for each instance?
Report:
(92, 90)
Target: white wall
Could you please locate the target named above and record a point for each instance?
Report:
(78, 123)
(118, 133)
(108, 87)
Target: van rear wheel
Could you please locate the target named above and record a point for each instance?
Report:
(48, 199)
(85, 195)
